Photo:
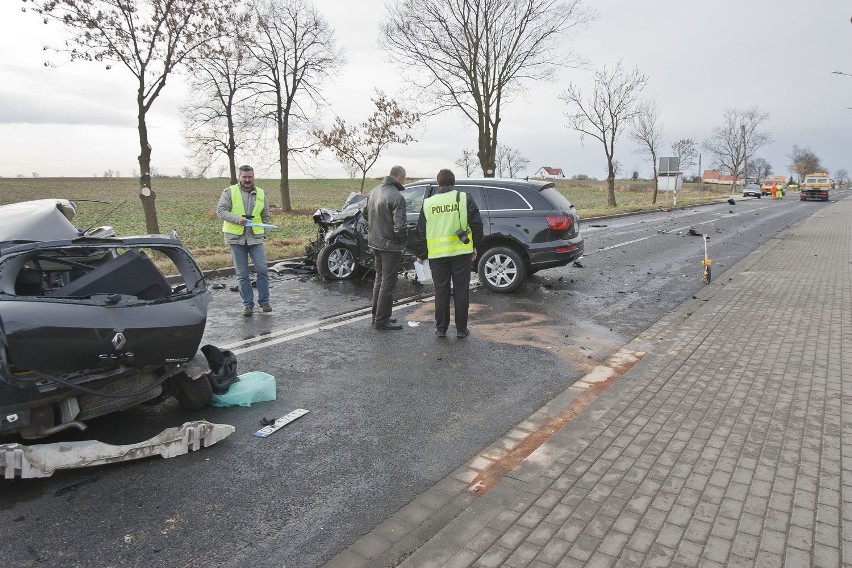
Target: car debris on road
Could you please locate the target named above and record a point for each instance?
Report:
(272, 426)
(42, 460)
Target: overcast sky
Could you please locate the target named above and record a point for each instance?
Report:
(700, 57)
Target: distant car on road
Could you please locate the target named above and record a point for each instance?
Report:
(807, 193)
(753, 190)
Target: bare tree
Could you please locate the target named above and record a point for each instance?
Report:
(471, 55)
(647, 131)
(467, 162)
(841, 177)
(509, 160)
(603, 116)
(737, 139)
(759, 169)
(148, 37)
(219, 118)
(686, 151)
(359, 147)
(803, 162)
(515, 162)
(295, 52)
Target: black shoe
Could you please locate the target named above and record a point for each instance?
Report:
(440, 333)
(462, 333)
(388, 327)
(373, 324)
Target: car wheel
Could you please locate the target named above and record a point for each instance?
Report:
(501, 269)
(193, 394)
(335, 262)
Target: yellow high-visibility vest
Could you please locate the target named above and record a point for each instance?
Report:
(445, 214)
(238, 209)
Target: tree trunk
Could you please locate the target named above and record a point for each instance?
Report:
(487, 147)
(610, 187)
(656, 182)
(232, 165)
(146, 192)
(610, 178)
(232, 149)
(283, 153)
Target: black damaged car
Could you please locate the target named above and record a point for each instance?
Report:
(90, 324)
(528, 226)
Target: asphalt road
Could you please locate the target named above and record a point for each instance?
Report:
(390, 413)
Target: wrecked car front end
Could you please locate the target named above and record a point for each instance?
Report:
(90, 325)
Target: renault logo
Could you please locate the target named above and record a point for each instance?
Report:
(118, 341)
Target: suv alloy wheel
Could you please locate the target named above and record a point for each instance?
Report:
(501, 269)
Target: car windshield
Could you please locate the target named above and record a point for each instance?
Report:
(414, 197)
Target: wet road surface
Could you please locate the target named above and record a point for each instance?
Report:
(390, 413)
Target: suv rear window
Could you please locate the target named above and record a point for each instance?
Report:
(555, 198)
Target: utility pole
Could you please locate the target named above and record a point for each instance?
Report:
(745, 155)
(700, 174)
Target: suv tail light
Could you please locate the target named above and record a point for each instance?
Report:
(560, 222)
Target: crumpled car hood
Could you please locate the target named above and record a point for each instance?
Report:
(38, 220)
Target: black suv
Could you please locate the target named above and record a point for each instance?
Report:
(527, 225)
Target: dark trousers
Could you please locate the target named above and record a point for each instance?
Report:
(387, 267)
(457, 269)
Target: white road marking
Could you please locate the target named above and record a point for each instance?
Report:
(284, 335)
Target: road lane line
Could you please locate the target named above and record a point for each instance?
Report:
(304, 330)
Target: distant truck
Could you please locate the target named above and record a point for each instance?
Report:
(815, 187)
(766, 186)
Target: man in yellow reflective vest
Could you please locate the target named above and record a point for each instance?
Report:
(239, 204)
(448, 230)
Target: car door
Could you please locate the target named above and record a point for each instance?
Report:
(413, 196)
(475, 193)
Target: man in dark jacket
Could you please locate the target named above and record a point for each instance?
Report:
(448, 230)
(385, 215)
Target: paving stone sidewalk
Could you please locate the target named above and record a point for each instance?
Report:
(728, 444)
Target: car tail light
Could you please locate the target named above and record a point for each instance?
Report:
(569, 248)
(560, 222)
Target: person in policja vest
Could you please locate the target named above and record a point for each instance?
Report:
(448, 231)
(239, 204)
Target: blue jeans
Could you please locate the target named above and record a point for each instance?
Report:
(241, 254)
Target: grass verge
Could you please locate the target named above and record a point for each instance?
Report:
(188, 206)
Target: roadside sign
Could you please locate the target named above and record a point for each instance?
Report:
(669, 165)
